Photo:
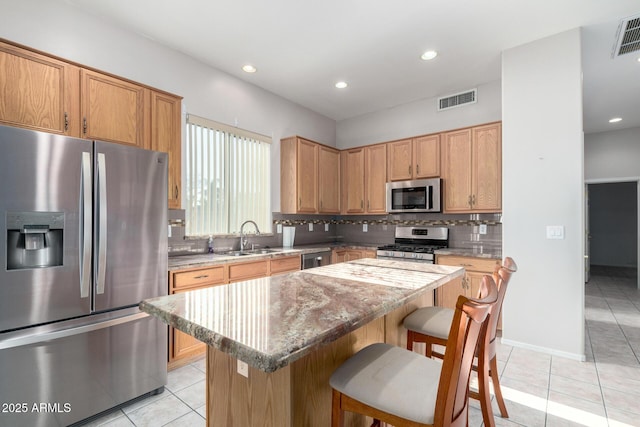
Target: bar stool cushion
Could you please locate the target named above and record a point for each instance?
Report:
(433, 321)
(391, 379)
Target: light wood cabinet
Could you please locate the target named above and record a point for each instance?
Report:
(48, 94)
(113, 110)
(472, 169)
(182, 345)
(413, 158)
(469, 284)
(328, 180)
(309, 177)
(38, 92)
(166, 111)
(282, 265)
(353, 167)
(344, 255)
(248, 270)
(376, 179)
(364, 184)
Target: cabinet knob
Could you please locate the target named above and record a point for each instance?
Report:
(473, 200)
(409, 170)
(84, 125)
(176, 192)
(66, 121)
(417, 169)
(469, 201)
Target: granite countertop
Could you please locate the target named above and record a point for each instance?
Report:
(478, 252)
(206, 260)
(273, 321)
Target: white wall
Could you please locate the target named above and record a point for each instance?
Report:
(612, 154)
(543, 185)
(419, 118)
(61, 29)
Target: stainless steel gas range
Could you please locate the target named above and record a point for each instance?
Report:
(415, 244)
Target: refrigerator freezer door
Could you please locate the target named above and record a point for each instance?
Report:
(41, 191)
(130, 225)
(81, 367)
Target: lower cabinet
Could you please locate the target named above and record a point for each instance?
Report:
(183, 347)
(344, 255)
(469, 284)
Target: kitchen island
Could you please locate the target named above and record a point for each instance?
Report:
(293, 331)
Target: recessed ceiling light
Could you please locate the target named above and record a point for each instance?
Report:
(615, 120)
(428, 55)
(249, 68)
(341, 85)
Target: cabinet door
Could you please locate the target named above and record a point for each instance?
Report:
(354, 180)
(426, 156)
(376, 178)
(399, 166)
(339, 255)
(329, 180)
(457, 170)
(184, 345)
(487, 168)
(307, 176)
(38, 92)
(166, 137)
(473, 283)
(113, 110)
(447, 295)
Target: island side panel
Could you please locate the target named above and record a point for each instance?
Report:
(297, 395)
(395, 332)
(311, 391)
(262, 399)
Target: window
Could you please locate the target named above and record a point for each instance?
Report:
(228, 178)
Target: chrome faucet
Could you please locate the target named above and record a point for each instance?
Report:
(243, 238)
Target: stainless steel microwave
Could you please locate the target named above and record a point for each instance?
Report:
(420, 195)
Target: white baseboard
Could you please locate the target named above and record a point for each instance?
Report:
(553, 352)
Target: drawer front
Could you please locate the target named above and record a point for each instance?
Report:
(248, 270)
(206, 276)
(285, 264)
(469, 263)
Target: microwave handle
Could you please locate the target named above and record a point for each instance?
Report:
(430, 197)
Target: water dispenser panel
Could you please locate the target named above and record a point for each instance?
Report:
(34, 239)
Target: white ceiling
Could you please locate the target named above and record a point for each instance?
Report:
(301, 48)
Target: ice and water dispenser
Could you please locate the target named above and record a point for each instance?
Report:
(34, 239)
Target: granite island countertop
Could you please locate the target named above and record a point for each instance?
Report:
(273, 321)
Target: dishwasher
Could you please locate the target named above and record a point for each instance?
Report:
(316, 259)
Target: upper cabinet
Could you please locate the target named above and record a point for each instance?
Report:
(165, 136)
(364, 189)
(49, 94)
(38, 92)
(305, 166)
(414, 158)
(113, 110)
(329, 180)
(472, 169)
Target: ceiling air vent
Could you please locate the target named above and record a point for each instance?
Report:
(628, 39)
(458, 99)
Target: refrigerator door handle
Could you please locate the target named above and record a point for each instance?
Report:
(37, 337)
(102, 221)
(85, 225)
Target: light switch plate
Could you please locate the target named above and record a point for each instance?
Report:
(326, 227)
(243, 369)
(279, 228)
(169, 231)
(365, 228)
(555, 232)
(310, 226)
(482, 229)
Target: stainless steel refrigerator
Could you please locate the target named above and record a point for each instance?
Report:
(83, 239)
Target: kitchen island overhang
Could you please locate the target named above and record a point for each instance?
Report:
(273, 321)
(293, 331)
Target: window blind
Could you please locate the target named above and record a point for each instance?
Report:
(228, 178)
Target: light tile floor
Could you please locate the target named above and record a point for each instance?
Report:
(541, 390)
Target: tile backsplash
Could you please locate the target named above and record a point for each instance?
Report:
(464, 231)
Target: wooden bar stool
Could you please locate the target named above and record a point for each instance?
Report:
(403, 388)
(430, 325)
